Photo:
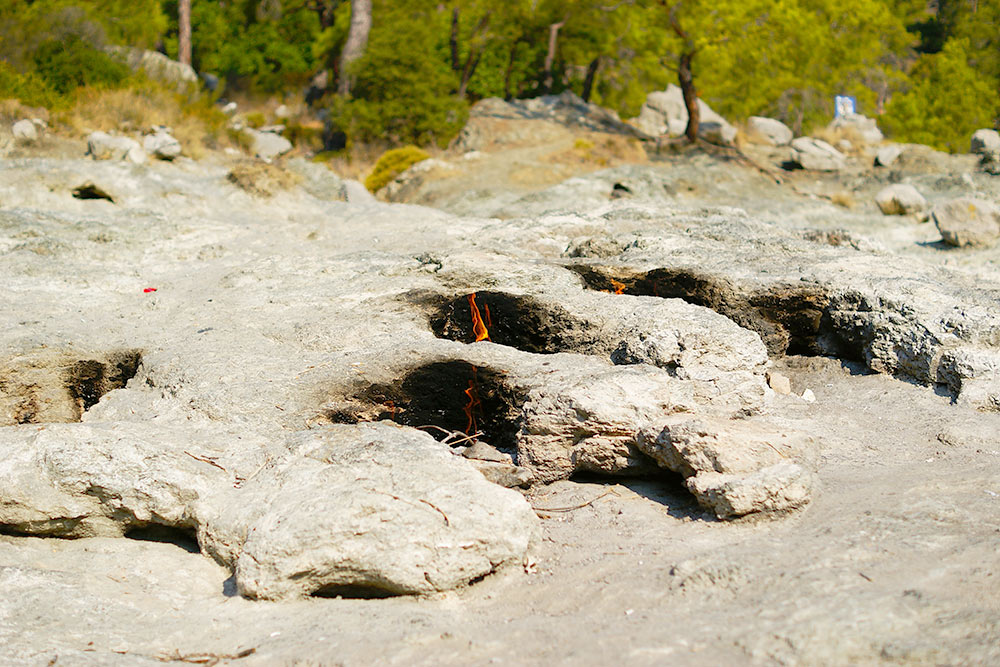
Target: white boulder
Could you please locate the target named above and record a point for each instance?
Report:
(968, 222)
(900, 199)
(104, 146)
(25, 131)
(768, 131)
(664, 112)
(865, 128)
(816, 154)
(161, 144)
(985, 142)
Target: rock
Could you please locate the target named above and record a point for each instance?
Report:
(103, 146)
(372, 509)
(808, 396)
(779, 383)
(506, 475)
(482, 451)
(282, 112)
(162, 145)
(416, 519)
(24, 131)
(318, 180)
(968, 222)
(900, 199)
(267, 145)
(157, 66)
(737, 467)
(816, 154)
(768, 131)
(357, 193)
(985, 142)
(857, 127)
(887, 155)
(664, 113)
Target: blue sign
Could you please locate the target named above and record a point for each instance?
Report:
(844, 105)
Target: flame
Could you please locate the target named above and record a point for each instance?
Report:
(478, 328)
(473, 393)
(619, 287)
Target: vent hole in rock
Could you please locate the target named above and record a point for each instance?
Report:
(791, 320)
(514, 320)
(354, 592)
(446, 399)
(185, 538)
(54, 386)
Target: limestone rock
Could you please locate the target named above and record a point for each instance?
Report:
(162, 145)
(768, 131)
(816, 154)
(900, 199)
(737, 467)
(968, 222)
(267, 145)
(103, 146)
(157, 66)
(857, 125)
(887, 155)
(664, 113)
(374, 508)
(985, 142)
(24, 131)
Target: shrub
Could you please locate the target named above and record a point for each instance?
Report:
(393, 163)
(29, 88)
(72, 63)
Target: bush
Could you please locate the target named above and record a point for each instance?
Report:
(392, 164)
(29, 88)
(72, 63)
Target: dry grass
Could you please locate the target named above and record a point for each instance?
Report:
(196, 124)
(12, 111)
(844, 199)
(599, 150)
(262, 179)
(834, 136)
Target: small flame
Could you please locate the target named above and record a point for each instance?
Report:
(470, 408)
(478, 328)
(619, 287)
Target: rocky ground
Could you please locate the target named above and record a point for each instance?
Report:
(741, 415)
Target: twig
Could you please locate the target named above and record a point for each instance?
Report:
(205, 459)
(572, 507)
(204, 658)
(462, 437)
(865, 576)
(427, 502)
(240, 481)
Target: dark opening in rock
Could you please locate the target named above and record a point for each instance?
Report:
(443, 398)
(185, 538)
(518, 321)
(790, 319)
(91, 191)
(89, 379)
(52, 386)
(353, 592)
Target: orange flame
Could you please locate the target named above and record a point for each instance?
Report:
(478, 328)
(473, 393)
(619, 287)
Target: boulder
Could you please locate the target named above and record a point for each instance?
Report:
(768, 131)
(816, 154)
(968, 222)
(267, 145)
(737, 467)
(985, 142)
(900, 199)
(161, 144)
(887, 155)
(157, 66)
(858, 126)
(664, 112)
(103, 146)
(24, 131)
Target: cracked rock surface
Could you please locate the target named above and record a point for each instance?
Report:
(224, 399)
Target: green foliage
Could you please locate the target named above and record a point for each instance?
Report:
(28, 87)
(67, 65)
(401, 94)
(946, 102)
(391, 164)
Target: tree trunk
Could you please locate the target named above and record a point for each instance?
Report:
(357, 41)
(453, 40)
(184, 31)
(510, 70)
(550, 56)
(686, 78)
(588, 82)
